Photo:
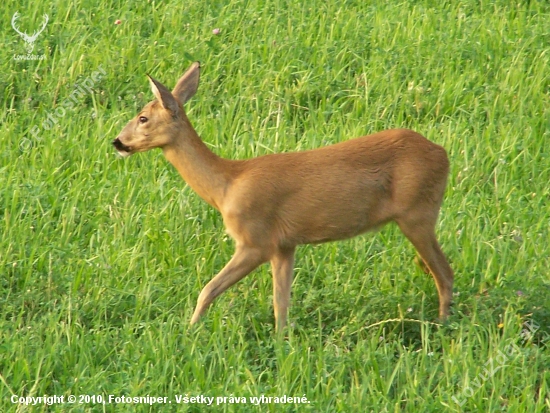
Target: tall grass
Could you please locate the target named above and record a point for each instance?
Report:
(102, 259)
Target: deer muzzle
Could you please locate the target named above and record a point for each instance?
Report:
(124, 150)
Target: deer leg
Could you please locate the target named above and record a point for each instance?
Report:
(282, 264)
(421, 264)
(422, 236)
(241, 264)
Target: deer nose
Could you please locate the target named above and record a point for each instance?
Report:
(118, 144)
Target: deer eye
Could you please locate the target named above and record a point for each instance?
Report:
(142, 119)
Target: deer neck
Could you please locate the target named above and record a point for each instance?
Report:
(206, 173)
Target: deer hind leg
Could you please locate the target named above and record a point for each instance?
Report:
(421, 264)
(244, 261)
(421, 233)
(282, 264)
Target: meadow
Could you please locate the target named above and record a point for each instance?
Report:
(102, 258)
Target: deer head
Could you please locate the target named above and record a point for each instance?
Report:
(159, 121)
(28, 39)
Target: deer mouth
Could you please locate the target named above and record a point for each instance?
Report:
(122, 149)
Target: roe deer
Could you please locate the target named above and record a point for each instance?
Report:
(273, 203)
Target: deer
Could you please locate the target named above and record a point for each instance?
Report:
(273, 203)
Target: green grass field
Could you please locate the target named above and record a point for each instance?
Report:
(102, 258)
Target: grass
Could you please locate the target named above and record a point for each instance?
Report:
(102, 259)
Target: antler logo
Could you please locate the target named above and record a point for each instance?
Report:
(28, 39)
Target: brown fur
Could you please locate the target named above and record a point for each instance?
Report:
(273, 203)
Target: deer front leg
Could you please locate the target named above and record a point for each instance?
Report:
(282, 264)
(241, 264)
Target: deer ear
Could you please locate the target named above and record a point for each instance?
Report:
(163, 95)
(188, 84)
